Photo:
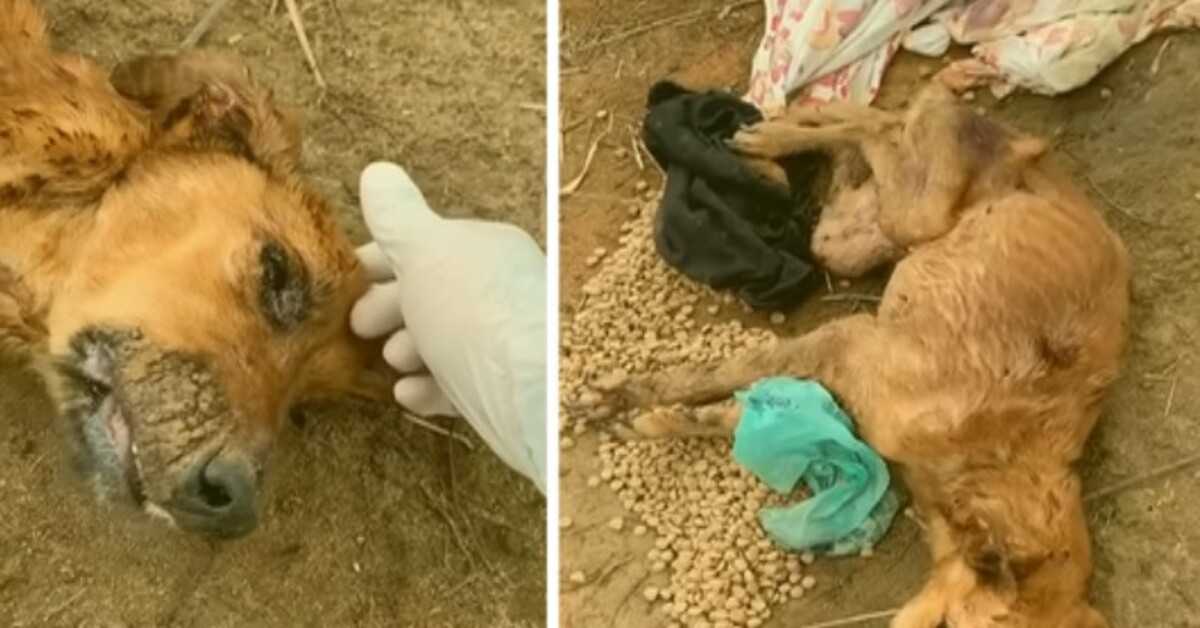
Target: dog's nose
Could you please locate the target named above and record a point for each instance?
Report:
(219, 497)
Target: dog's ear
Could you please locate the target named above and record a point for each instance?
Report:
(204, 101)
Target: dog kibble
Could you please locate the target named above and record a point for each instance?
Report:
(699, 505)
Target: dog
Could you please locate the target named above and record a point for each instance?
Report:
(983, 371)
(165, 269)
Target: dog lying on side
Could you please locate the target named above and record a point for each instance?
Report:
(984, 369)
(166, 270)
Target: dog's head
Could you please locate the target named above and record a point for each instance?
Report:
(848, 240)
(1018, 560)
(209, 295)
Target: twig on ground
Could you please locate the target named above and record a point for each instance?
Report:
(1154, 66)
(61, 606)
(458, 587)
(204, 25)
(605, 574)
(625, 600)
(854, 619)
(437, 507)
(450, 464)
(298, 24)
(674, 20)
(852, 296)
(1117, 206)
(652, 160)
(532, 106)
(437, 429)
(567, 128)
(570, 188)
(637, 152)
(1171, 396)
(1153, 474)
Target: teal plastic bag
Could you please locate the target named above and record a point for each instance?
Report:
(793, 429)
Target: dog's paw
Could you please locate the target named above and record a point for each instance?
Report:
(635, 425)
(758, 141)
(678, 421)
(617, 391)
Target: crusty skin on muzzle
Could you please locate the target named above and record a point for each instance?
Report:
(165, 269)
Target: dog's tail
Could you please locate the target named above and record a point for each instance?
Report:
(22, 21)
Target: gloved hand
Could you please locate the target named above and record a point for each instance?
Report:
(466, 300)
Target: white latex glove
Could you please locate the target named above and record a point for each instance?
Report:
(465, 300)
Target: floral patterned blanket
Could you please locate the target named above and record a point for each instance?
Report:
(827, 50)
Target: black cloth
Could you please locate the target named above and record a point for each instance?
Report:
(719, 223)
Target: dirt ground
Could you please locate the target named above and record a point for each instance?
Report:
(1130, 137)
(369, 521)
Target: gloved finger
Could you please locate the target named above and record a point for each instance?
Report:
(422, 395)
(400, 352)
(379, 268)
(394, 209)
(378, 311)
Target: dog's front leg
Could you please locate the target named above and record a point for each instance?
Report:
(818, 354)
(716, 419)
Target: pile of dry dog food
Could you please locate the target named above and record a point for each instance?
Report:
(714, 565)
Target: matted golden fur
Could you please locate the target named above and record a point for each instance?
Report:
(984, 369)
(164, 267)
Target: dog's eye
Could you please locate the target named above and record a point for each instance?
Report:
(283, 289)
